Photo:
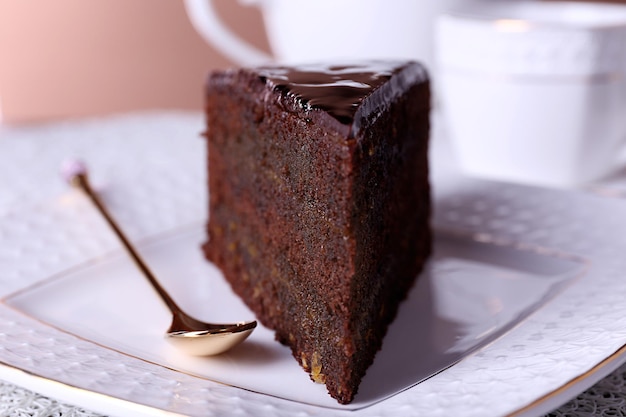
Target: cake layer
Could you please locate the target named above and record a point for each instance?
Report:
(319, 203)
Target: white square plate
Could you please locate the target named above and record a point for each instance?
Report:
(471, 293)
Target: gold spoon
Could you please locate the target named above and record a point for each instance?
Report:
(190, 335)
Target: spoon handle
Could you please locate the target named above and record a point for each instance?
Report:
(76, 175)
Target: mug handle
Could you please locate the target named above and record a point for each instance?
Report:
(208, 24)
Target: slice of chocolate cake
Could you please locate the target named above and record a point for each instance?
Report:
(320, 203)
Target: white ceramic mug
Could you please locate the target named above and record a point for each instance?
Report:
(317, 30)
(534, 92)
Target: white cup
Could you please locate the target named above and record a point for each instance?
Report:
(301, 31)
(534, 92)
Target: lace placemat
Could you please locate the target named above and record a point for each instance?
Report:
(20, 402)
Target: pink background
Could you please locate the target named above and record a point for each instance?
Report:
(81, 58)
(76, 58)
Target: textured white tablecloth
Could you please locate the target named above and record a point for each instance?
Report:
(21, 163)
(607, 399)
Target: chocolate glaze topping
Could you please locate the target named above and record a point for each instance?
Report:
(337, 89)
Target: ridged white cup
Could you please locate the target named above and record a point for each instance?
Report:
(534, 92)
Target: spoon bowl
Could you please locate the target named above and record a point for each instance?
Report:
(190, 335)
(212, 341)
(201, 339)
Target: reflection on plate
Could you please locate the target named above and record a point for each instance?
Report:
(472, 291)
